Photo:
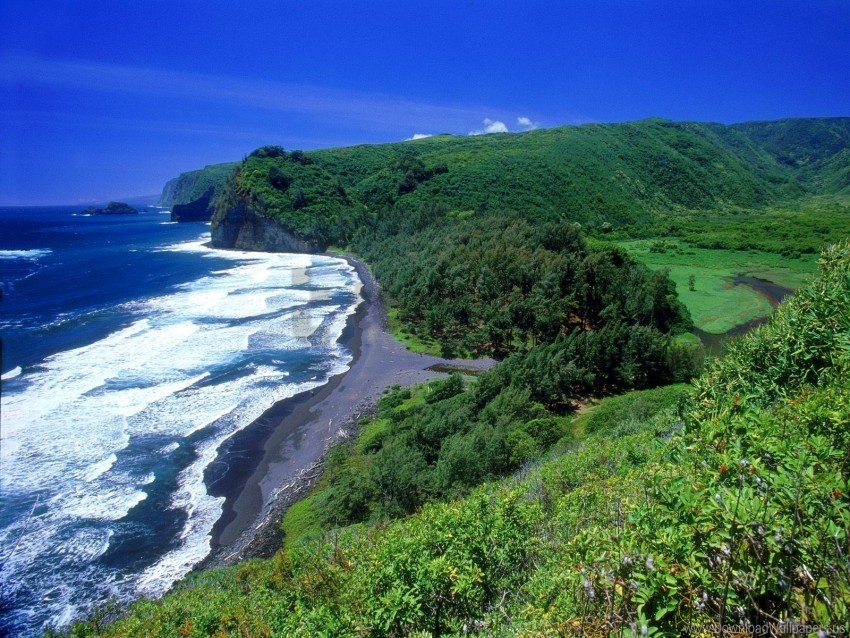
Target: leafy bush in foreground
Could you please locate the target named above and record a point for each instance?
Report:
(746, 518)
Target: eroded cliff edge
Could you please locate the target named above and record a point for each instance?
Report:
(243, 228)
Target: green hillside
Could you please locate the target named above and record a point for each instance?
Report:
(659, 513)
(819, 148)
(192, 185)
(620, 176)
(623, 175)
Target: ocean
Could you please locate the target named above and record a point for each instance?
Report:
(130, 352)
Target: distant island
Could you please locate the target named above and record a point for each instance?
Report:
(112, 208)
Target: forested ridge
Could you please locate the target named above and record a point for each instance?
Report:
(604, 176)
(192, 185)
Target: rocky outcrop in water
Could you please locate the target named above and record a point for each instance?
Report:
(243, 228)
(112, 208)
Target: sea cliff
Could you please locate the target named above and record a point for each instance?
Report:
(240, 226)
(192, 185)
(199, 210)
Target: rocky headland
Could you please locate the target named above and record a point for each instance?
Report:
(112, 208)
(199, 210)
(243, 228)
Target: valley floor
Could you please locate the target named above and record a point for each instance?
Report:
(713, 284)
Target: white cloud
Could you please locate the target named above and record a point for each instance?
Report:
(418, 136)
(495, 127)
(491, 126)
(526, 123)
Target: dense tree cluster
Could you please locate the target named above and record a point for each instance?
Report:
(458, 438)
(490, 284)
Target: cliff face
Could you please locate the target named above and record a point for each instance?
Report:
(192, 185)
(243, 228)
(169, 192)
(200, 210)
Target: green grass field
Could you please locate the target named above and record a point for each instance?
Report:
(716, 303)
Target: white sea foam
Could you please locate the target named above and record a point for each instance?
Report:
(168, 449)
(183, 368)
(100, 468)
(33, 253)
(193, 498)
(203, 510)
(11, 374)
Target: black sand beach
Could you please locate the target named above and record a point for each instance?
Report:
(271, 463)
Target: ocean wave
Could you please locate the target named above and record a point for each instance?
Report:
(194, 367)
(100, 468)
(32, 254)
(11, 374)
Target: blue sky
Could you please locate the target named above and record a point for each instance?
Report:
(103, 100)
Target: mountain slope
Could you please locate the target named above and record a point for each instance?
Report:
(192, 185)
(818, 147)
(616, 174)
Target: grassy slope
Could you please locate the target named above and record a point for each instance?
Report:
(734, 508)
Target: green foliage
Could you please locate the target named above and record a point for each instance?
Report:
(491, 284)
(746, 517)
(293, 190)
(442, 390)
(642, 527)
(805, 343)
(192, 185)
(791, 229)
(634, 407)
(817, 147)
(417, 450)
(607, 177)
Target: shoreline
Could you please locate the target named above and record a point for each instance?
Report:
(279, 456)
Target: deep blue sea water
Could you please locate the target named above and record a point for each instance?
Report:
(130, 351)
